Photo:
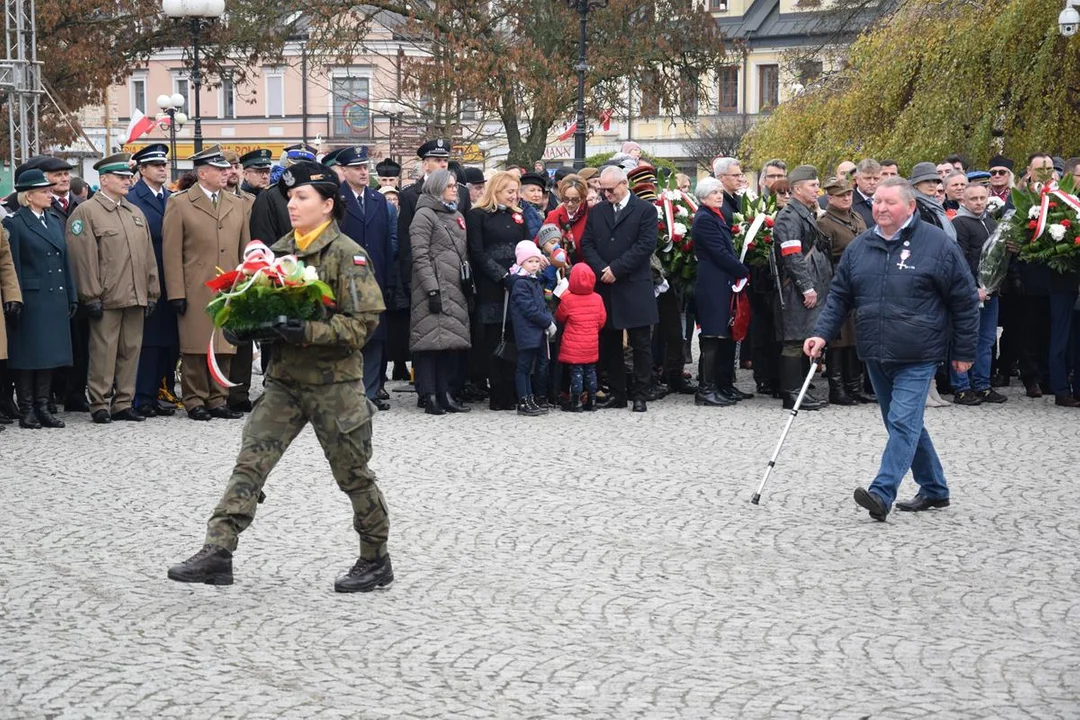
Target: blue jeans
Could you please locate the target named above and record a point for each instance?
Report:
(523, 380)
(1061, 316)
(582, 376)
(978, 378)
(901, 390)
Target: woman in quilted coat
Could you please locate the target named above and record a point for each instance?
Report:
(439, 325)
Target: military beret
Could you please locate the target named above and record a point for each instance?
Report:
(155, 153)
(434, 148)
(586, 173)
(802, 173)
(256, 159)
(307, 172)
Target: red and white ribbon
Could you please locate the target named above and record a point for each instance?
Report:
(669, 217)
(212, 366)
(689, 201)
(750, 235)
(1044, 207)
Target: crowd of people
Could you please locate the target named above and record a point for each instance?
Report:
(519, 288)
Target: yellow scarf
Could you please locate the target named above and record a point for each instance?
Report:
(305, 239)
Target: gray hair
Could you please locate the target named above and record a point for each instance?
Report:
(907, 193)
(776, 163)
(705, 187)
(868, 166)
(955, 173)
(721, 166)
(613, 172)
(437, 182)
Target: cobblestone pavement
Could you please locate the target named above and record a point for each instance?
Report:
(571, 566)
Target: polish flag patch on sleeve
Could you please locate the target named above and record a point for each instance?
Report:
(359, 260)
(790, 247)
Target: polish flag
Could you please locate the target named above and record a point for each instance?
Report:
(605, 120)
(140, 125)
(569, 132)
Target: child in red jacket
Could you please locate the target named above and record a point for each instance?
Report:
(582, 311)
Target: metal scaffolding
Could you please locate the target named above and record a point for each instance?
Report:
(20, 79)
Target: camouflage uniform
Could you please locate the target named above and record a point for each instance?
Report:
(320, 382)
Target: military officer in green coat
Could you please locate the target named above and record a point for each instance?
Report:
(315, 376)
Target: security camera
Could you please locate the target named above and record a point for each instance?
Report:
(1069, 21)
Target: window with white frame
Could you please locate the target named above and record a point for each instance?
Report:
(351, 106)
(138, 94)
(228, 98)
(275, 94)
(180, 85)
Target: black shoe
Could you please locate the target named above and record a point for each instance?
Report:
(421, 401)
(380, 403)
(199, 413)
(765, 387)
(225, 413)
(708, 397)
(164, 409)
(451, 405)
(1064, 400)
(101, 417)
(612, 402)
(999, 380)
(590, 402)
(809, 402)
(575, 405)
(991, 396)
(212, 565)
(29, 421)
(77, 403)
(147, 411)
(640, 406)
(432, 407)
(46, 418)
(967, 397)
(863, 398)
(382, 394)
(129, 415)
(365, 576)
(871, 502)
(5, 419)
(9, 408)
(244, 406)
(681, 386)
(729, 393)
(920, 503)
(526, 408)
(1033, 390)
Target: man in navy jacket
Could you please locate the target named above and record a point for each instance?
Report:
(913, 297)
(371, 222)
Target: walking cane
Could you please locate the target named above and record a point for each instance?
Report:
(791, 418)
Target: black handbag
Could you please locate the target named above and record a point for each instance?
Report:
(468, 282)
(506, 349)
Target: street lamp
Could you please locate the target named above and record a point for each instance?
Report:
(582, 7)
(199, 12)
(170, 115)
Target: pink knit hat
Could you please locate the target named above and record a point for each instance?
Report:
(525, 250)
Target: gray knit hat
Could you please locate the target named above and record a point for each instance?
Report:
(801, 173)
(548, 233)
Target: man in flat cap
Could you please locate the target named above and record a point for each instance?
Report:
(371, 222)
(205, 228)
(256, 170)
(804, 272)
(160, 342)
(388, 173)
(116, 276)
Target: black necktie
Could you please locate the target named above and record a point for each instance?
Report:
(360, 200)
(44, 221)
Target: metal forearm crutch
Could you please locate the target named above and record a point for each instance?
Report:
(791, 418)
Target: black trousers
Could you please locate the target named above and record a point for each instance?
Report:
(155, 365)
(1035, 338)
(669, 335)
(500, 374)
(434, 370)
(766, 350)
(1011, 320)
(70, 382)
(612, 355)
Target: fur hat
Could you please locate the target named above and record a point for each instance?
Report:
(526, 249)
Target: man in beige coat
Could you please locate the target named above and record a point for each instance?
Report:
(10, 300)
(205, 228)
(116, 277)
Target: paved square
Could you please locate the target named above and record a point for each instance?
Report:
(602, 565)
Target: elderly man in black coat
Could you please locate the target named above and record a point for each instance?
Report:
(618, 243)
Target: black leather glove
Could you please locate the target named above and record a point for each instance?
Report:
(236, 337)
(150, 305)
(291, 331)
(434, 302)
(72, 309)
(179, 306)
(13, 309)
(95, 309)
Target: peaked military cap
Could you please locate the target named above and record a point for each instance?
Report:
(257, 159)
(435, 149)
(211, 156)
(156, 153)
(330, 159)
(352, 157)
(118, 164)
(300, 151)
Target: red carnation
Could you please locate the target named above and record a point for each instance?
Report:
(1033, 224)
(768, 222)
(1065, 223)
(737, 230)
(1052, 204)
(1076, 241)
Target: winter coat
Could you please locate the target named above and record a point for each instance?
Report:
(533, 218)
(42, 338)
(407, 200)
(528, 312)
(492, 238)
(112, 254)
(921, 309)
(582, 314)
(864, 208)
(627, 247)
(971, 234)
(718, 268)
(803, 263)
(732, 204)
(198, 238)
(571, 231)
(9, 287)
(269, 217)
(159, 329)
(931, 212)
(376, 232)
(438, 248)
(841, 229)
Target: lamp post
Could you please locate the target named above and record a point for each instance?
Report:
(582, 7)
(170, 115)
(198, 12)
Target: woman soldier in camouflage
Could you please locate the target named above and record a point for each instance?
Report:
(315, 375)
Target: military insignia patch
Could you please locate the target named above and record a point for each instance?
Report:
(138, 222)
(359, 260)
(288, 178)
(76, 227)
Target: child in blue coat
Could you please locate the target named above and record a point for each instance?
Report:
(533, 325)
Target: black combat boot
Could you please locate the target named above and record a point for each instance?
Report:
(24, 388)
(212, 565)
(365, 576)
(836, 367)
(450, 405)
(791, 378)
(854, 379)
(42, 388)
(432, 406)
